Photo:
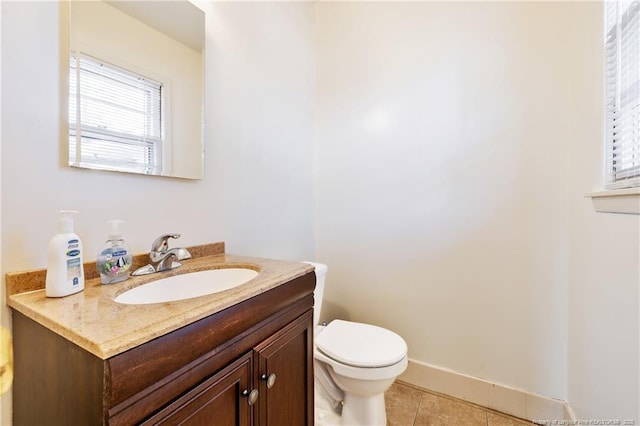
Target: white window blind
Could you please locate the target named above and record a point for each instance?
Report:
(622, 73)
(115, 117)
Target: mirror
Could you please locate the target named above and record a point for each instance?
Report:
(136, 87)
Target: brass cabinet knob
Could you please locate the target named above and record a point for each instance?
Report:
(270, 379)
(252, 396)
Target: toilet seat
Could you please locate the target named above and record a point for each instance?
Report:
(361, 345)
(363, 373)
(361, 351)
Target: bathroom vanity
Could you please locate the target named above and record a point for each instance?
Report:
(240, 357)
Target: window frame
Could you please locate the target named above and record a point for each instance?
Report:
(623, 195)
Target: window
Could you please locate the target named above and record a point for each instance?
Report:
(622, 74)
(115, 117)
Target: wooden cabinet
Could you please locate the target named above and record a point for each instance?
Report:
(201, 374)
(269, 385)
(285, 378)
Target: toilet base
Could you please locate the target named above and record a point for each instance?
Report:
(368, 410)
(326, 410)
(326, 418)
(356, 411)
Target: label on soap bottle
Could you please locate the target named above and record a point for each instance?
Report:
(73, 262)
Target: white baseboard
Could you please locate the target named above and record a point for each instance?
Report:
(516, 402)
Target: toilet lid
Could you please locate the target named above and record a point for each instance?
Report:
(361, 345)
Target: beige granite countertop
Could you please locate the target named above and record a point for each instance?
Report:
(92, 320)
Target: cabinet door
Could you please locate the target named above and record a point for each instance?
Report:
(218, 401)
(285, 372)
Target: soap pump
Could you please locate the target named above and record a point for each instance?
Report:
(114, 258)
(65, 272)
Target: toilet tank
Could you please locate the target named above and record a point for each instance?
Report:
(318, 293)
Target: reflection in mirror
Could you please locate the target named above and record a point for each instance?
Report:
(136, 87)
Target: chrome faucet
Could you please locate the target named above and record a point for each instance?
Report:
(162, 257)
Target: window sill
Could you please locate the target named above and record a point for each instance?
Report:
(624, 201)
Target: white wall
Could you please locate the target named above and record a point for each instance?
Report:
(262, 80)
(604, 253)
(456, 142)
(257, 194)
(441, 212)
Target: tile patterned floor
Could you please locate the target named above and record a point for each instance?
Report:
(410, 406)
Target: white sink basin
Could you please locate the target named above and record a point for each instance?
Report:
(186, 286)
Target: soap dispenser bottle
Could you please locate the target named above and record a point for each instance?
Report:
(65, 273)
(114, 258)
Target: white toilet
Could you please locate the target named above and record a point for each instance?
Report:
(354, 365)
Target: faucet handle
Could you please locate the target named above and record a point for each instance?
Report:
(161, 243)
